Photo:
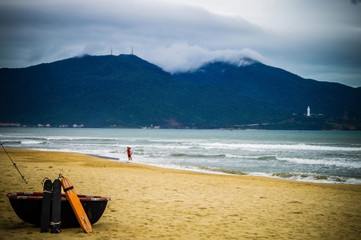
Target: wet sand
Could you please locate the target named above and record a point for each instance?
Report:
(155, 203)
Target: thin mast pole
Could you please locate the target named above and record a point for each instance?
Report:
(14, 164)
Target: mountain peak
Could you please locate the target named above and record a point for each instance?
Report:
(220, 65)
(241, 62)
(128, 91)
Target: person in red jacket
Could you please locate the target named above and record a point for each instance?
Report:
(129, 152)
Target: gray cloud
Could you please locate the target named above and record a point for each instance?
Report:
(312, 39)
(40, 30)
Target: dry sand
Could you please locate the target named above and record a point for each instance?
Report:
(155, 203)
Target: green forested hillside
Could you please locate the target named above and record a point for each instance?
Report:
(280, 88)
(123, 90)
(126, 91)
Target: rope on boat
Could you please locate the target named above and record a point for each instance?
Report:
(42, 182)
(14, 164)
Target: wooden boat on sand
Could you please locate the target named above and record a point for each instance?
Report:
(27, 206)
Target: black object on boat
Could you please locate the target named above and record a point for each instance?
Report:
(27, 205)
(45, 205)
(56, 209)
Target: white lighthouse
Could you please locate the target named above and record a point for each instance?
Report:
(308, 111)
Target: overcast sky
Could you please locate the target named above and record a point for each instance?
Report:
(319, 39)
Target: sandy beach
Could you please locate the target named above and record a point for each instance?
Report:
(155, 203)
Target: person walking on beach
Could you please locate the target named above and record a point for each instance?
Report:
(129, 152)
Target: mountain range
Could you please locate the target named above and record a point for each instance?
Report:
(127, 91)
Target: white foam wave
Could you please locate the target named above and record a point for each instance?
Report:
(322, 162)
(258, 147)
(32, 142)
(310, 178)
(77, 138)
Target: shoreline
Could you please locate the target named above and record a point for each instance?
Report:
(149, 202)
(301, 177)
(303, 156)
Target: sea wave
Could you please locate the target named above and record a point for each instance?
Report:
(4, 142)
(258, 147)
(32, 142)
(307, 177)
(221, 170)
(198, 155)
(266, 153)
(323, 162)
(267, 157)
(303, 177)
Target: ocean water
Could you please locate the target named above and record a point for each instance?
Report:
(317, 156)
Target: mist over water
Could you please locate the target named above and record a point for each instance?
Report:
(321, 156)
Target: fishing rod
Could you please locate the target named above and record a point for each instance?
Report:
(14, 164)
